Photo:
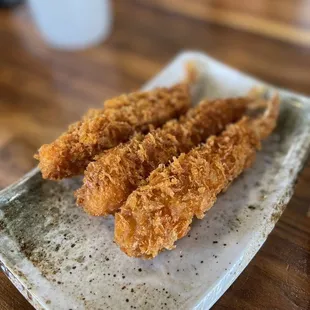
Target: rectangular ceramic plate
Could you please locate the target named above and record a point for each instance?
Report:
(61, 258)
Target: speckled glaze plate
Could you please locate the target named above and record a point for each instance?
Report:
(61, 258)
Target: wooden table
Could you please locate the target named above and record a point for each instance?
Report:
(42, 90)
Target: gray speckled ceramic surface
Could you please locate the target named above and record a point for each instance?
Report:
(61, 258)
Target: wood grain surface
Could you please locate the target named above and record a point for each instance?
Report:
(42, 90)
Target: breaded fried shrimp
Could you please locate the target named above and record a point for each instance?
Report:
(116, 173)
(102, 129)
(161, 211)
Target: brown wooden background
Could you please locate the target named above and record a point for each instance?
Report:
(42, 90)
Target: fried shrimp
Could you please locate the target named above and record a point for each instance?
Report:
(116, 173)
(161, 212)
(102, 129)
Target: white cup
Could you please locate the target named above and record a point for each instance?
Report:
(72, 24)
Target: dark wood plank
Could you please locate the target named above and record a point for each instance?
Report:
(10, 298)
(284, 11)
(285, 20)
(43, 90)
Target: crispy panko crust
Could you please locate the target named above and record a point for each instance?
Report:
(102, 129)
(116, 173)
(160, 212)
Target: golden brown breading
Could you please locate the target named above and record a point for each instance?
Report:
(116, 173)
(160, 212)
(102, 129)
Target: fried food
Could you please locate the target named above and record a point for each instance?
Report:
(102, 129)
(116, 173)
(160, 212)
